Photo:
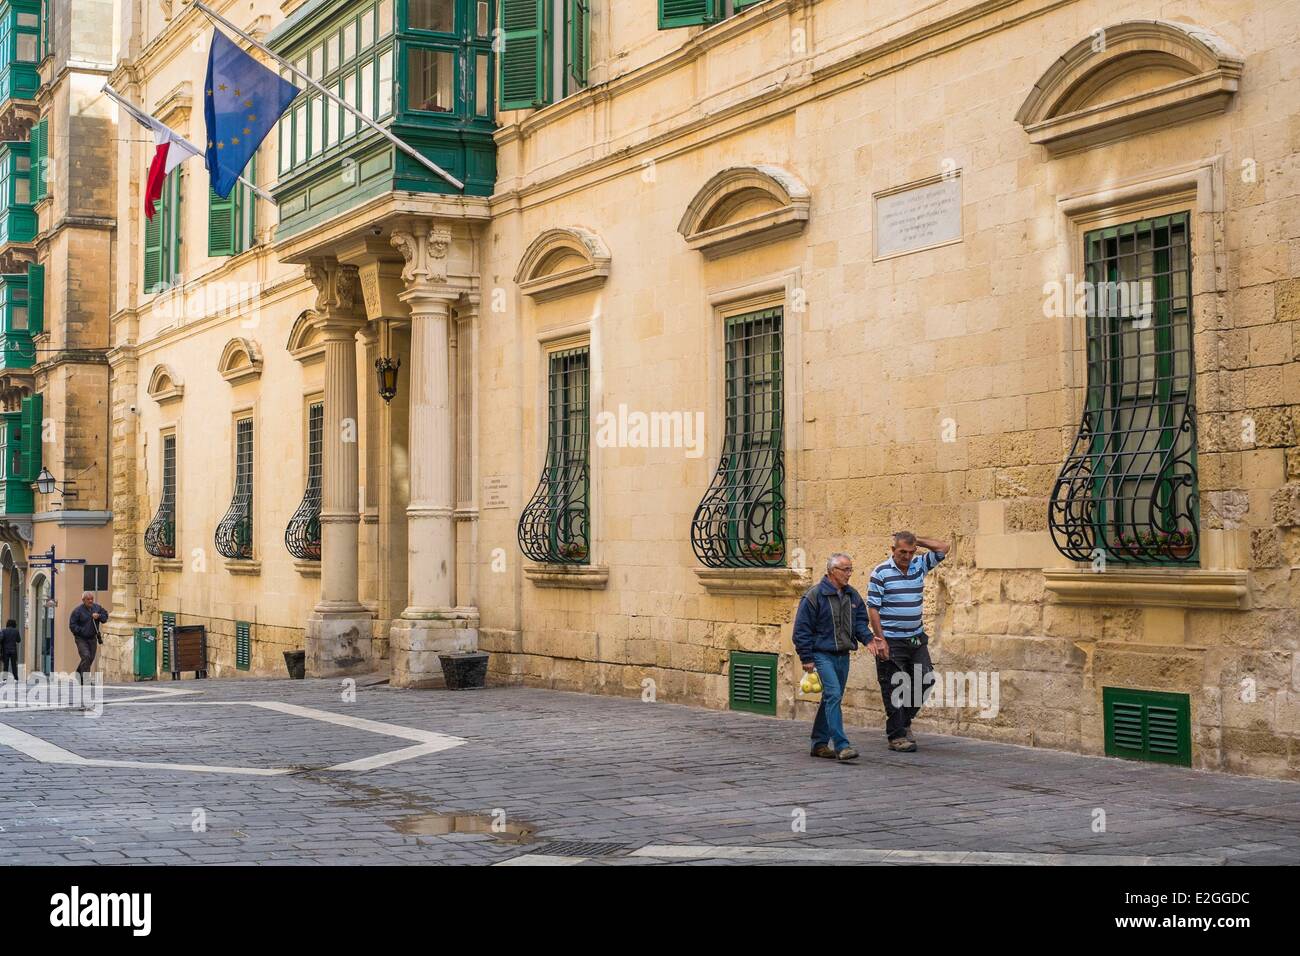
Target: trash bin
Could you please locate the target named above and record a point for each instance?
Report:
(296, 662)
(145, 653)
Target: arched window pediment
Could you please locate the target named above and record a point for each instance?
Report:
(561, 262)
(305, 341)
(241, 361)
(1126, 79)
(164, 385)
(743, 207)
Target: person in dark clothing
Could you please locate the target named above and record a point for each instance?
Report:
(84, 624)
(9, 641)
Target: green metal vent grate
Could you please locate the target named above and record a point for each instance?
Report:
(1148, 725)
(168, 627)
(753, 682)
(243, 645)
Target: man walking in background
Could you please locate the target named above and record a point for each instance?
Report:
(9, 640)
(831, 622)
(895, 594)
(84, 624)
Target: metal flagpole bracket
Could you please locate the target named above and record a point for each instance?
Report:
(361, 117)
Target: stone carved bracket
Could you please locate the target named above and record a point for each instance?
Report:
(336, 286)
(424, 249)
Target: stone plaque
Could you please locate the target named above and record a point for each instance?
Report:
(918, 216)
(496, 491)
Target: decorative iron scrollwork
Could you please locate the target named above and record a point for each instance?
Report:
(1128, 490)
(302, 535)
(234, 537)
(160, 536)
(740, 522)
(555, 526)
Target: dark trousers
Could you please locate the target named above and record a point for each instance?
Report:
(86, 648)
(9, 663)
(898, 684)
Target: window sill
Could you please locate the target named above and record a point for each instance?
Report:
(582, 576)
(1152, 587)
(774, 582)
(243, 566)
(308, 569)
(172, 565)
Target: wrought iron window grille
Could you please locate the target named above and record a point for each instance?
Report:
(302, 536)
(160, 536)
(234, 537)
(1128, 490)
(740, 522)
(555, 526)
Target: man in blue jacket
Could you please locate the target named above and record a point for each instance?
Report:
(830, 624)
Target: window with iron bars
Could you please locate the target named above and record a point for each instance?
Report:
(160, 536)
(302, 536)
(740, 522)
(1128, 490)
(234, 537)
(555, 526)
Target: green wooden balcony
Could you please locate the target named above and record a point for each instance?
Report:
(17, 350)
(421, 68)
(20, 456)
(20, 34)
(17, 217)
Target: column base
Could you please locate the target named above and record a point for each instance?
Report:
(421, 634)
(114, 656)
(338, 642)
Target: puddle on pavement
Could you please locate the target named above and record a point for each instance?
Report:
(441, 824)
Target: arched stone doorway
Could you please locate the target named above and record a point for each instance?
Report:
(40, 653)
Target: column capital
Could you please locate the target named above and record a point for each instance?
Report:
(336, 293)
(424, 248)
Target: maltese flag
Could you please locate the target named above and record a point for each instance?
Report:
(170, 150)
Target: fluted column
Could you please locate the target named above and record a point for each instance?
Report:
(338, 633)
(432, 624)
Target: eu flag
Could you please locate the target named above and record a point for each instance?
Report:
(243, 101)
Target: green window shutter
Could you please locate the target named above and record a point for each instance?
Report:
(243, 646)
(1148, 725)
(168, 629)
(39, 155)
(30, 418)
(523, 57)
(687, 13)
(36, 298)
(222, 222)
(153, 247)
(742, 4)
(577, 44)
(172, 262)
(753, 682)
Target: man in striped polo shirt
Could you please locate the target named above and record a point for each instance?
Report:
(894, 597)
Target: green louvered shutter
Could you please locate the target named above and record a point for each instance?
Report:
(742, 4)
(153, 247)
(39, 154)
(523, 59)
(168, 629)
(753, 682)
(35, 298)
(172, 230)
(222, 215)
(30, 418)
(577, 44)
(687, 13)
(243, 645)
(1147, 725)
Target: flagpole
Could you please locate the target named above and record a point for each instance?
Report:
(131, 107)
(362, 117)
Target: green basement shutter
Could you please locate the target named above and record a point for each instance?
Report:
(753, 682)
(1148, 725)
(168, 628)
(153, 248)
(686, 13)
(35, 298)
(243, 645)
(523, 78)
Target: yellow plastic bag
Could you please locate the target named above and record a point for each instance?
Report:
(811, 683)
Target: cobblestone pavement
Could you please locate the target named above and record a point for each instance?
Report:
(596, 780)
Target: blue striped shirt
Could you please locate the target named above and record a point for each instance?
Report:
(898, 595)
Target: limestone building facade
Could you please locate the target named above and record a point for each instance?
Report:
(702, 291)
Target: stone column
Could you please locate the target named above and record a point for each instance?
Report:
(466, 483)
(338, 631)
(431, 624)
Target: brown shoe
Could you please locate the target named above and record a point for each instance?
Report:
(848, 753)
(908, 734)
(902, 745)
(823, 750)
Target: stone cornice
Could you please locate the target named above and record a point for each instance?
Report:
(774, 582)
(1151, 587)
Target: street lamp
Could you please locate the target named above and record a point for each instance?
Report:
(386, 368)
(47, 484)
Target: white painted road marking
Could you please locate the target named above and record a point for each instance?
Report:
(951, 857)
(427, 741)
